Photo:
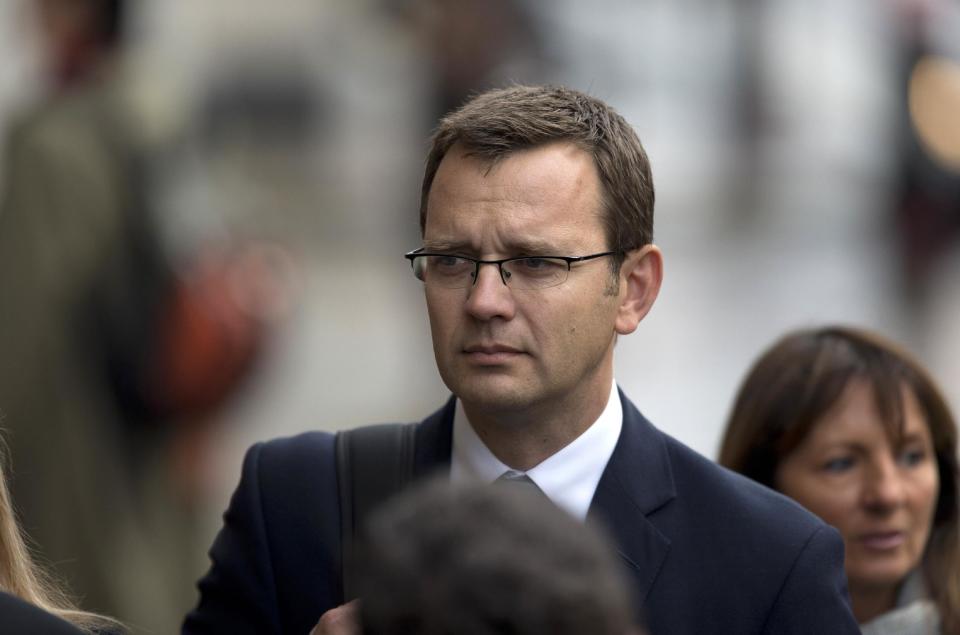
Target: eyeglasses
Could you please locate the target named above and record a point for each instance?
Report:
(523, 272)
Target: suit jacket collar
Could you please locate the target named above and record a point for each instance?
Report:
(434, 442)
(636, 482)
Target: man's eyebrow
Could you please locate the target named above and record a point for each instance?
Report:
(525, 246)
(445, 246)
(533, 246)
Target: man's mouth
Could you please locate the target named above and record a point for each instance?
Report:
(491, 354)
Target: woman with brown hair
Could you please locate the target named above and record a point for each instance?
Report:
(29, 601)
(854, 429)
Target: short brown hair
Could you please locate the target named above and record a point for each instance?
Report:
(484, 559)
(794, 384)
(499, 122)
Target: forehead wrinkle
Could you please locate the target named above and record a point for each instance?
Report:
(519, 226)
(549, 181)
(507, 200)
(529, 245)
(545, 187)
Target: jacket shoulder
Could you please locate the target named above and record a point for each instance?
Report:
(275, 565)
(296, 467)
(737, 503)
(19, 617)
(754, 557)
(297, 452)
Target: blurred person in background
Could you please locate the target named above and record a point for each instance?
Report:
(474, 45)
(30, 601)
(536, 218)
(488, 561)
(854, 429)
(90, 474)
(927, 175)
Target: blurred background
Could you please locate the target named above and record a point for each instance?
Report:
(205, 205)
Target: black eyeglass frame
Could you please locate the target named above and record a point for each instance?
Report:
(570, 260)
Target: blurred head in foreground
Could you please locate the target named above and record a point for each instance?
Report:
(854, 429)
(486, 560)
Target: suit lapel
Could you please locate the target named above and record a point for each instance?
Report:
(433, 442)
(637, 481)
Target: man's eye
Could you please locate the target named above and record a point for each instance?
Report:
(447, 261)
(534, 263)
(541, 265)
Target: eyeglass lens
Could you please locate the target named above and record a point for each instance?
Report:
(455, 272)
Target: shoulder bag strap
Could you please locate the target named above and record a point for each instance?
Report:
(373, 464)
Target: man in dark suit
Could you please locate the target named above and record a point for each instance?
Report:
(537, 223)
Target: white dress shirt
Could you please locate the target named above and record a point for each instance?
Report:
(569, 477)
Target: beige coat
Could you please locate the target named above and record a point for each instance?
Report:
(112, 529)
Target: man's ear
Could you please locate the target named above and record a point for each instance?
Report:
(640, 278)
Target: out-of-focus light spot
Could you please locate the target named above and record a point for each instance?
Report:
(934, 97)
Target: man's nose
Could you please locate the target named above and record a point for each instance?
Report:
(489, 297)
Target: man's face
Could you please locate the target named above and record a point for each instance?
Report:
(501, 349)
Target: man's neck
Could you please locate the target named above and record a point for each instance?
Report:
(522, 439)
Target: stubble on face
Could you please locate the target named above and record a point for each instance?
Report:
(563, 336)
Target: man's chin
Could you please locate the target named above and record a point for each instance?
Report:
(493, 394)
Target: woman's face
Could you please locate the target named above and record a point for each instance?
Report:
(880, 496)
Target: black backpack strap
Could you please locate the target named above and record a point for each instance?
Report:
(373, 464)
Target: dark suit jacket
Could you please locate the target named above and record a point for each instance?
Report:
(20, 618)
(709, 551)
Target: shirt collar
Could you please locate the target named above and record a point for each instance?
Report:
(569, 477)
